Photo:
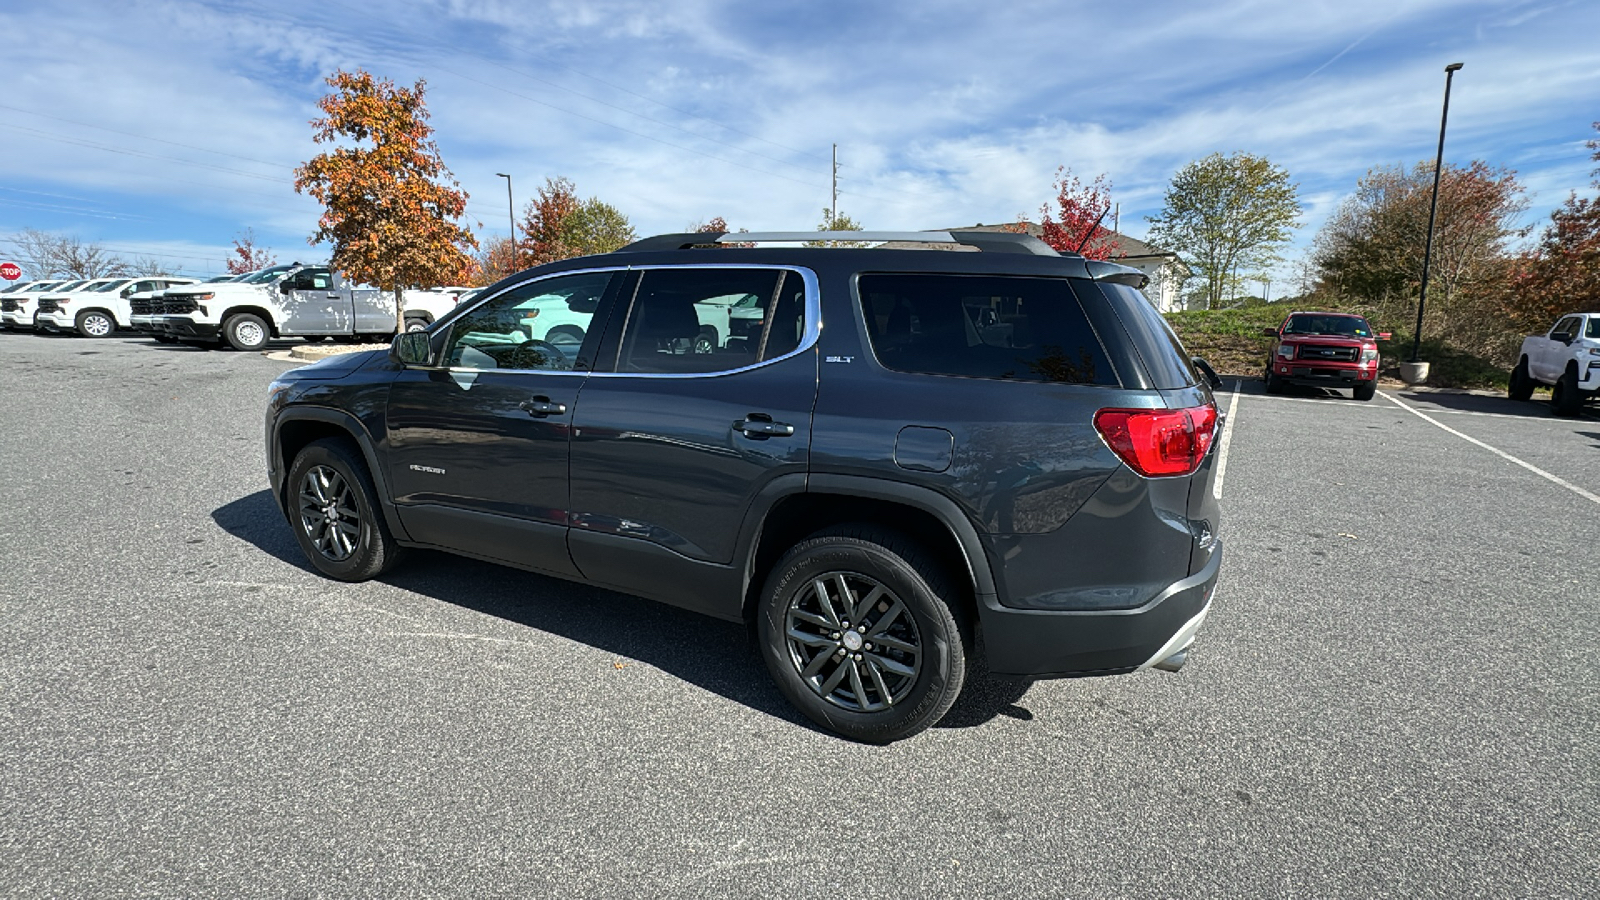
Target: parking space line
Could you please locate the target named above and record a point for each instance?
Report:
(1227, 437)
(1594, 498)
(1352, 404)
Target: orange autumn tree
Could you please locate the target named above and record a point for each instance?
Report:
(389, 204)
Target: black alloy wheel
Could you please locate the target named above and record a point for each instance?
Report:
(333, 510)
(1520, 387)
(864, 634)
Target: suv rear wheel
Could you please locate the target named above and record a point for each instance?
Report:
(333, 509)
(861, 631)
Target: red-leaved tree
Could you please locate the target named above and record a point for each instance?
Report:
(1562, 274)
(1077, 222)
(247, 256)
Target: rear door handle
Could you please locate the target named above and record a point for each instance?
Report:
(761, 427)
(542, 406)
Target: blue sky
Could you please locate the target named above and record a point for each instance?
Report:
(166, 127)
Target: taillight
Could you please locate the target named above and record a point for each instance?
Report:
(1159, 442)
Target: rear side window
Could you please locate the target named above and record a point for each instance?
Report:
(700, 321)
(1165, 360)
(979, 326)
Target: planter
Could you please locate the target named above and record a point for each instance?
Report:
(1414, 372)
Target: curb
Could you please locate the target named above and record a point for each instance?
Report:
(314, 352)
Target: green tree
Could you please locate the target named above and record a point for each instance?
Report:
(389, 204)
(837, 221)
(557, 225)
(1370, 250)
(1226, 214)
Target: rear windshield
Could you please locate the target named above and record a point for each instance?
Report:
(982, 326)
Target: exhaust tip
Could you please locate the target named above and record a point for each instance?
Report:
(1174, 662)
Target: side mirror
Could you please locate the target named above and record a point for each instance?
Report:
(285, 286)
(1212, 377)
(411, 349)
(1270, 332)
(1383, 335)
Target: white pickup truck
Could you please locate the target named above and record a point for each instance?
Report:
(98, 308)
(283, 301)
(1567, 358)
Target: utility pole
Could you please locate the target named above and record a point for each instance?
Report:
(511, 210)
(833, 211)
(1266, 290)
(1116, 220)
(1433, 209)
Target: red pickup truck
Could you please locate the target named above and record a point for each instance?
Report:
(1323, 349)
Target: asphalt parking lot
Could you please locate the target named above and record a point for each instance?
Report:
(1397, 694)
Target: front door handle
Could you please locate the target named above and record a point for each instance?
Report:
(542, 406)
(760, 426)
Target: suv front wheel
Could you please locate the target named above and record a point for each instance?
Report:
(333, 510)
(860, 630)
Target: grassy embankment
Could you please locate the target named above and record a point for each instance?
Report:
(1231, 340)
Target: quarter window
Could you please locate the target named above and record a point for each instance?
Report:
(539, 325)
(711, 320)
(1012, 328)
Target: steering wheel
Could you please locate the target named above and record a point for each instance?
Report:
(553, 358)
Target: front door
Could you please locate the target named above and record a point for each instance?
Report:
(479, 443)
(671, 446)
(312, 304)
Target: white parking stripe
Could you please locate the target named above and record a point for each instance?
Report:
(1351, 404)
(1595, 498)
(1227, 437)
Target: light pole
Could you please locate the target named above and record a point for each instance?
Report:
(1433, 209)
(511, 214)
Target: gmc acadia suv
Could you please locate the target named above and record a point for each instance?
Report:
(907, 459)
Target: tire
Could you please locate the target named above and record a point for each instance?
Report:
(333, 511)
(1366, 391)
(1274, 383)
(416, 323)
(1565, 398)
(95, 323)
(560, 334)
(1520, 387)
(705, 341)
(246, 331)
(874, 692)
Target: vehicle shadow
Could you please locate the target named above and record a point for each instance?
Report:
(1253, 386)
(1537, 408)
(709, 653)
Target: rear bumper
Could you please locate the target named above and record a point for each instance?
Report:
(1068, 643)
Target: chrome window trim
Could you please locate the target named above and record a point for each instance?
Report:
(808, 339)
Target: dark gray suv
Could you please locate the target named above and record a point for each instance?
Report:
(886, 461)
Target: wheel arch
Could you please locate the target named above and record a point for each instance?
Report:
(793, 508)
(298, 427)
(258, 311)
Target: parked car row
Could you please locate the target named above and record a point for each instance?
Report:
(244, 311)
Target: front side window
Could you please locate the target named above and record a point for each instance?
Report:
(536, 326)
(1012, 328)
(695, 321)
(1566, 328)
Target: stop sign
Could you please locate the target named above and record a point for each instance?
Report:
(10, 271)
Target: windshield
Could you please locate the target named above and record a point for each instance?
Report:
(1340, 326)
(109, 286)
(40, 286)
(266, 276)
(69, 286)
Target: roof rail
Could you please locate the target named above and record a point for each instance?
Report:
(986, 241)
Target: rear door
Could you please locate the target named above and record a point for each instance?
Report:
(671, 445)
